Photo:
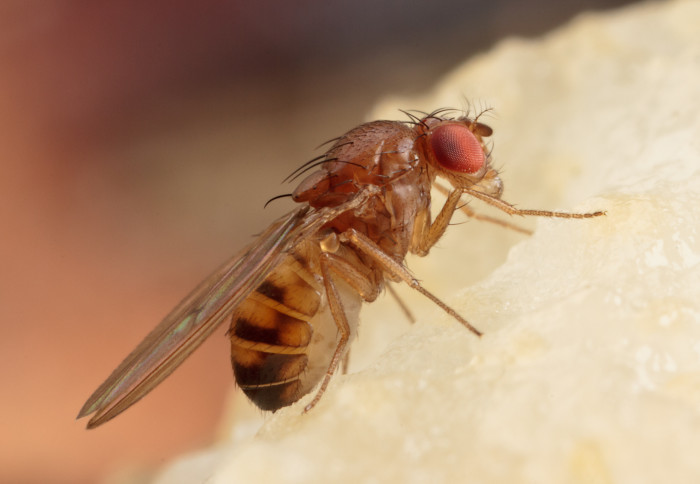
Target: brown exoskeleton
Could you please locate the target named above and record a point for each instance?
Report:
(294, 295)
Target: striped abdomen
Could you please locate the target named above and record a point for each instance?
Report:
(271, 336)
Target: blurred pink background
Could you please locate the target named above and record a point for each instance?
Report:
(138, 144)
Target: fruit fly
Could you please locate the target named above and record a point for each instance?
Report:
(293, 296)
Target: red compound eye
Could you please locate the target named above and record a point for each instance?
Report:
(456, 148)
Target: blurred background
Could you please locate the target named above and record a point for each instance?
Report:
(138, 144)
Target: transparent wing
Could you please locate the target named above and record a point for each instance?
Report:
(192, 321)
(203, 310)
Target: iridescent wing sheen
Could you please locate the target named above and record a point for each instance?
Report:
(194, 319)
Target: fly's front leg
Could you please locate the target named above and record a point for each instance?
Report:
(511, 210)
(429, 233)
(396, 269)
(484, 218)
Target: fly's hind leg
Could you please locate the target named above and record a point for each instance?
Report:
(341, 320)
(360, 281)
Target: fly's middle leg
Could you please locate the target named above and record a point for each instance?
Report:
(332, 266)
(397, 270)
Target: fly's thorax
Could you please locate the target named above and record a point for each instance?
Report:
(406, 200)
(371, 154)
(380, 153)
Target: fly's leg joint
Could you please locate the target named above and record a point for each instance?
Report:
(357, 276)
(330, 243)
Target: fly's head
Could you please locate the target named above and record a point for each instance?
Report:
(455, 150)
